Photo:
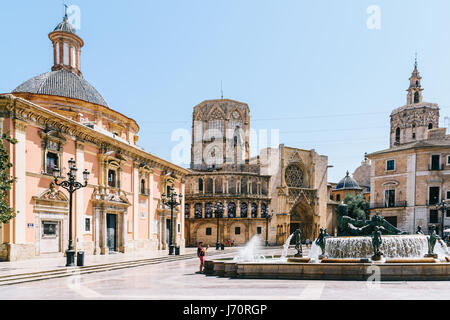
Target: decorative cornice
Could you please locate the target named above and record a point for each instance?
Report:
(20, 125)
(28, 112)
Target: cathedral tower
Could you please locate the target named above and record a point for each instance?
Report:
(412, 121)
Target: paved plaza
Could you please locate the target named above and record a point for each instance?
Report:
(179, 280)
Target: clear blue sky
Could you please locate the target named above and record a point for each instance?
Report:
(309, 68)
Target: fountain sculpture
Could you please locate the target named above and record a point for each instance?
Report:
(349, 256)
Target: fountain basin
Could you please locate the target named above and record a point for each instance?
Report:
(421, 260)
(348, 260)
(299, 259)
(399, 271)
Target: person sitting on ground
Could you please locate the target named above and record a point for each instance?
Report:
(201, 251)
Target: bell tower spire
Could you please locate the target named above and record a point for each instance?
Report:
(415, 89)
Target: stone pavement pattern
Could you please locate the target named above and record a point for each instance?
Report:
(179, 280)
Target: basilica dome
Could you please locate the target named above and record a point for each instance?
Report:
(63, 83)
(347, 183)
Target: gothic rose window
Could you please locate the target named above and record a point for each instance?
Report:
(294, 176)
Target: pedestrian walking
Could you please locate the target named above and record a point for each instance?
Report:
(307, 243)
(201, 252)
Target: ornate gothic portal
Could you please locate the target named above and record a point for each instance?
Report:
(302, 216)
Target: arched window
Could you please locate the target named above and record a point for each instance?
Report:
(218, 187)
(254, 210)
(232, 186)
(244, 185)
(143, 191)
(208, 210)
(430, 126)
(264, 188)
(216, 122)
(187, 209)
(198, 210)
(416, 97)
(231, 210)
(112, 178)
(254, 187)
(263, 210)
(397, 135)
(200, 184)
(244, 210)
(52, 162)
(209, 185)
(294, 176)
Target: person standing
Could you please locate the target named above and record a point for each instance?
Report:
(307, 243)
(201, 251)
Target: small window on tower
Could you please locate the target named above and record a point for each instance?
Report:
(397, 135)
(414, 135)
(430, 126)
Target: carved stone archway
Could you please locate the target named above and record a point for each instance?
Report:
(51, 205)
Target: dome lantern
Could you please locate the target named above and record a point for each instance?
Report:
(66, 47)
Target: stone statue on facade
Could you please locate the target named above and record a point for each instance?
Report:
(376, 243)
(298, 243)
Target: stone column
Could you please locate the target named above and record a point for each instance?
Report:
(97, 227)
(79, 198)
(150, 206)
(258, 212)
(225, 209)
(124, 231)
(20, 186)
(163, 232)
(103, 247)
(247, 231)
(238, 208)
(135, 202)
(214, 185)
(203, 209)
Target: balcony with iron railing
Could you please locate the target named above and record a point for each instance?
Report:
(396, 204)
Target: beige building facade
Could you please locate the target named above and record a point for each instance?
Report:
(409, 179)
(275, 193)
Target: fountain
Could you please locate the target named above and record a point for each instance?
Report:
(399, 256)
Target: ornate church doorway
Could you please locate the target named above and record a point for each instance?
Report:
(302, 216)
(111, 232)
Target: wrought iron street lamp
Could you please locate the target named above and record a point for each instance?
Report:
(170, 200)
(218, 211)
(71, 186)
(443, 206)
(267, 216)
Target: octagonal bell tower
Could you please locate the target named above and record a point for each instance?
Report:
(412, 121)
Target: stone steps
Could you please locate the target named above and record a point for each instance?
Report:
(71, 271)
